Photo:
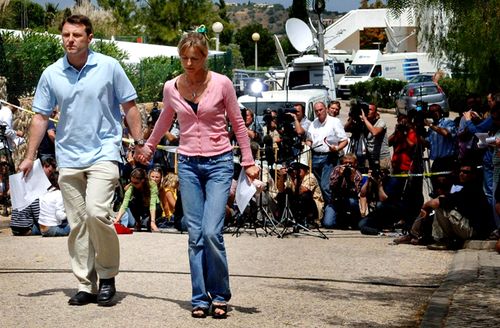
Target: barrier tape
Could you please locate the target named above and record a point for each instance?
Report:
(25, 110)
(127, 140)
(407, 175)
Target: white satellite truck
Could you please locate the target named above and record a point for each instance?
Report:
(368, 64)
(307, 71)
(307, 78)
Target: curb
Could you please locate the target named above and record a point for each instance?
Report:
(480, 244)
(463, 269)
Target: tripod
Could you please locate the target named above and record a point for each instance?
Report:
(287, 218)
(6, 168)
(261, 217)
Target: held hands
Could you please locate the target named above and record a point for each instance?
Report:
(143, 154)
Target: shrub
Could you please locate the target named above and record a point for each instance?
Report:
(382, 92)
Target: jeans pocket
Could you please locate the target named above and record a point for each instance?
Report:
(182, 159)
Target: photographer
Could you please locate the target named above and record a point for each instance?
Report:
(305, 202)
(271, 137)
(441, 141)
(300, 122)
(390, 204)
(370, 131)
(327, 137)
(404, 142)
(345, 185)
(14, 137)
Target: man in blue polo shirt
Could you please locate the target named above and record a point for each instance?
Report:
(88, 88)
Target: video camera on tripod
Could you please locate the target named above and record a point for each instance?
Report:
(357, 106)
(290, 140)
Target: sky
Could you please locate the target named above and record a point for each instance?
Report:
(331, 5)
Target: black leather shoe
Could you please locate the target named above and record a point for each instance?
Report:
(82, 298)
(107, 291)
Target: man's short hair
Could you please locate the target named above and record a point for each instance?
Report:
(438, 106)
(77, 20)
(301, 107)
(334, 102)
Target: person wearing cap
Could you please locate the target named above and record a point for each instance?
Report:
(345, 184)
(306, 201)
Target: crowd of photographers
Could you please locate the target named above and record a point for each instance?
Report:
(434, 179)
(425, 180)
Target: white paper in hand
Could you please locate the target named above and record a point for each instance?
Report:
(244, 191)
(23, 191)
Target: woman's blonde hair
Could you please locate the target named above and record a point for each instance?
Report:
(195, 40)
(170, 180)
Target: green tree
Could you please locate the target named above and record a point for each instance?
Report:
(124, 13)
(109, 49)
(51, 13)
(21, 14)
(25, 60)
(298, 10)
(150, 74)
(463, 33)
(166, 20)
(266, 49)
(226, 36)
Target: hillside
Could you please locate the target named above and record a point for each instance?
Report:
(272, 17)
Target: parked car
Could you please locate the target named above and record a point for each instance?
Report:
(424, 77)
(427, 92)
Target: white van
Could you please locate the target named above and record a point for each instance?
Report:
(372, 63)
(310, 72)
(282, 99)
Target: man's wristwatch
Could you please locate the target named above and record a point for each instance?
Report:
(140, 142)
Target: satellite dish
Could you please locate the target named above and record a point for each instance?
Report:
(299, 34)
(280, 52)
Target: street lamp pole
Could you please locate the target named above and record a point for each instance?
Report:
(256, 38)
(217, 27)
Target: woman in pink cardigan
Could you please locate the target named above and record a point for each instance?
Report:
(203, 101)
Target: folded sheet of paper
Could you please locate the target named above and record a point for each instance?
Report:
(244, 191)
(485, 140)
(24, 190)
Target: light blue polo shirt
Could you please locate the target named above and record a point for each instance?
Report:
(89, 128)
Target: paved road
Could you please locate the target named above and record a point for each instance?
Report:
(348, 280)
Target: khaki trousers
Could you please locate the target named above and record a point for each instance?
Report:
(451, 224)
(93, 243)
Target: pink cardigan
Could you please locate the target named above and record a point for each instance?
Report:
(204, 133)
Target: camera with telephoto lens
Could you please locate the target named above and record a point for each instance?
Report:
(358, 106)
(347, 171)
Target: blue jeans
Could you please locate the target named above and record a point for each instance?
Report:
(57, 231)
(488, 176)
(349, 209)
(204, 184)
(128, 219)
(322, 167)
